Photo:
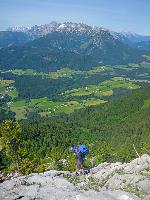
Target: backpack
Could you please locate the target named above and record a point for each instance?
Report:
(83, 149)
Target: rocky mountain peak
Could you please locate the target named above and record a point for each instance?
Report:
(37, 31)
(69, 27)
(18, 29)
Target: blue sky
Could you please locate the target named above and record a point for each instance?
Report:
(117, 15)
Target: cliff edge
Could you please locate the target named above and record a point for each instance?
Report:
(107, 181)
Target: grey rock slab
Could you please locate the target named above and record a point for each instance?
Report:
(29, 191)
(62, 183)
(38, 179)
(120, 181)
(54, 173)
(52, 185)
(147, 197)
(144, 185)
(107, 195)
(138, 164)
(54, 193)
(10, 184)
(108, 170)
(99, 167)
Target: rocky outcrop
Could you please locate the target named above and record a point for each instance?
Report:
(107, 181)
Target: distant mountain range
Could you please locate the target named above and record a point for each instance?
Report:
(144, 45)
(8, 38)
(130, 38)
(40, 31)
(76, 45)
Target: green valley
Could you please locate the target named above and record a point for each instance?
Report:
(31, 91)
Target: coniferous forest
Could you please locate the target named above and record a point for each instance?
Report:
(111, 132)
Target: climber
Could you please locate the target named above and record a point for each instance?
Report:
(80, 151)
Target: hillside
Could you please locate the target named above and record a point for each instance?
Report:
(8, 39)
(131, 38)
(145, 45)
(110, 130)
(106, 181)
(78, 46)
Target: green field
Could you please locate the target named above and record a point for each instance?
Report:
(146, 103)
(93, 102)
(92, 94)
(19, 108)
(145, 65)
(6, 87)
(13, 93)
(122, 67)
(49, 107)
(23, 72)
(103, 89)
(45, 107)
(64, 72)
(67, 72)
(20, 112)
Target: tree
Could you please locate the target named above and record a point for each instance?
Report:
(11, 138)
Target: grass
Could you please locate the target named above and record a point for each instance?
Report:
(146, 172)
(133, 189)
(133, 65)
(60, 107)
(19, 108)
(64, 72)
(103, 89)
(104, 93)
(73, 179)
(6, 82)
(19, 103)
(24, 72)
(81, 92)
(20, 112)
(50, 108)
(7, 88)
(2, 88)
(42, 104)
(45, 107)
(146, 103)
(13, 93)
(146, 57)
(145, 65)
(93, 102)
(67, 72)
(123, 67)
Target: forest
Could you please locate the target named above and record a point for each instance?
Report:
(111, 131)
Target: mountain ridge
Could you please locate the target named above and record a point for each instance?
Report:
(70, 45)
(41, 30)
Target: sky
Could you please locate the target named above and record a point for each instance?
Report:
(116, 15)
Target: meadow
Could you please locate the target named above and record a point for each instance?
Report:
(103, 89)
(45, 107)
(120, 77)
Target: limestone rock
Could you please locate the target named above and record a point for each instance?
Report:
(111, 179)
(138, 164)
(144, 185)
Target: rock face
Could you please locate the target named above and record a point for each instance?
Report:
(107, 181)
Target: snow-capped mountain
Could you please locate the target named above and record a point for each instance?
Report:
(130, 38)
(18, 29)
(40, 31)
(77, 28)
(75, 45)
